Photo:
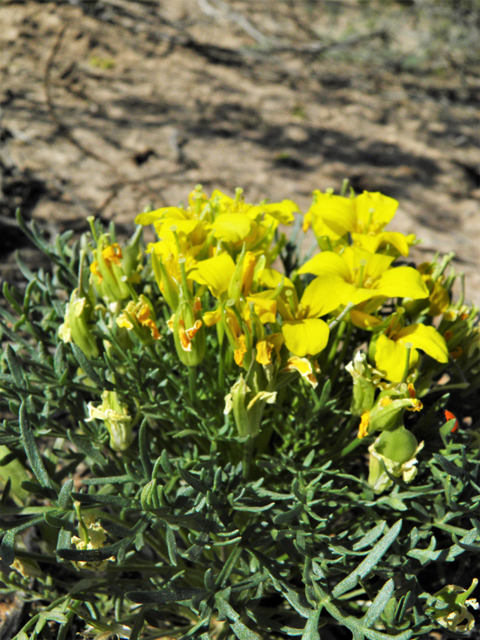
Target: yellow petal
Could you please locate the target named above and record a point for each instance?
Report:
(324, 294)
(402, 282)
(304, 368)
(373, 243)
(374, 211)
(232, 227)
(365, 265)
(391, 357)
(426, 338)
(304, 337)
(152, 216)
(327, 263)
(266, 310)
(163, 227)
(336, 212)
(264, 348)
(215, 272)
(281, 211)
(271, 278)
(212, 317)
(363, 320)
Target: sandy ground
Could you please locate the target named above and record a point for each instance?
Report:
(110, 107)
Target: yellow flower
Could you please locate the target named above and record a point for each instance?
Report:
(364, 217)
(359, 275)
(304, 332)
(216, 273)
(391, 351)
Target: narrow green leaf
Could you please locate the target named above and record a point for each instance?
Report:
(192, 480)
(143, 449)
(38, 490)
(369, 562)
(166, 595)
(375, 610)
(448, 466)
(15, 366)
(7, 548)
(165, 462)
(117, 501)
(370, 537)
(64, 495)
(171, 544)
(111, 480)
(288, 516)
(32, 451)
(83, 444)
(63, 542)
(8, 295)
(311, 628)
(243, 632)
(88, 368)
(59, 362)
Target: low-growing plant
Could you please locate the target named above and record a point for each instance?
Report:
(214, 437)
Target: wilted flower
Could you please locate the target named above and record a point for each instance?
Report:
(117, 420)
(395, 452)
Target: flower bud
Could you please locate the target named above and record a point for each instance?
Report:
(108, 272)
(363, 384)
(139, 317)
(77, 326)
(166, 283)
(394, 451)
(150, 497)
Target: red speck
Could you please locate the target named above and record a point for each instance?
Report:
(450, 416)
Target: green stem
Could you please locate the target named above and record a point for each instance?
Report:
(192, 384)
(341, 356)
(248, 449)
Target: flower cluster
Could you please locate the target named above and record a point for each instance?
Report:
(216, 265)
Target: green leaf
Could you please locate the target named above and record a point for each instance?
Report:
(32, 451)
(192, 480)
(7, 548)
(171, 544)
(370, 537)
(64, 495)
(59, 363)
(91, 555)
(448, 466)
(243, 632)
(143, 449)
(117, 501)
(88, 368)
(375, 610)
(166, 595)
(288, 516)
(15, 367)
(38, 490)
(311, 628)
(369, 562)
